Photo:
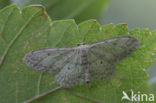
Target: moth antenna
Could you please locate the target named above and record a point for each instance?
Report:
(44, 94)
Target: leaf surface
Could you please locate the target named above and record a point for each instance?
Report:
(31, 29)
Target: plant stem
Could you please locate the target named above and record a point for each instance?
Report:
(42, 95)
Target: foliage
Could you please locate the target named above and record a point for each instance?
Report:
(79, 10)
(31, 29)
(4, 3)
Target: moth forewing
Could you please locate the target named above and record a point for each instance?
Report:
(104, 54)
(48, 59)
(115, 48)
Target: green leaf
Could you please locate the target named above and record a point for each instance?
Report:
(80, 10)
(31, 29)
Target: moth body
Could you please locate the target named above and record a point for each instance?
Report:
(84, 59)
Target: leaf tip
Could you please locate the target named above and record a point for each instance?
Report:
(39, 6)
(43, 9)
(9, 7)
(94, 20)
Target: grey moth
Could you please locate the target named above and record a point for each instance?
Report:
(83, 63)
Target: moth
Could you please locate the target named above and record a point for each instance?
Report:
(83, 63)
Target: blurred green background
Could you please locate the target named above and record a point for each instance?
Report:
(135, 13)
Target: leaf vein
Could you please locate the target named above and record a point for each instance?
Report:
(5, 26)
(62, 37)
(39, 83)
(15, 38)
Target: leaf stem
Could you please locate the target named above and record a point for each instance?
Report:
(86, 98)
(42, 95)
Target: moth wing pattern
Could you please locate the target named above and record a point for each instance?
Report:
(103, 55)
(49, 60)
(72, 73)
(67, 62)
